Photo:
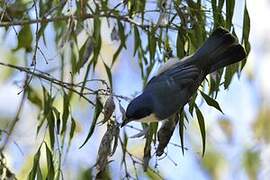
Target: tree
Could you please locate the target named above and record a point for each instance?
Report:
(158, 31)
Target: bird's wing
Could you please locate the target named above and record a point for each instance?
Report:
(178, 76)
(171, 63)
(172, 89)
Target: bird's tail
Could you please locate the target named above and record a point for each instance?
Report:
(221, 49)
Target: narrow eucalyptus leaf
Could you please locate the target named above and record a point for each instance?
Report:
(152, 44)
(245, 34)
(202, 127)
(33, 96)
(229, 12)
(210, 101)
(192, 104)
(137, 39)
(121, 32)
(147, 149)
(58, 120)
(180, 42)
(72, 129)
(84, 53)
(51, 125)
(229, 72)
(39, 173)
(98, 110)
(96, 50)
(66, 112)
(50, 166)
(109, 73)
(25, 39)
(116, 54)
(181, 130)
(33, 172)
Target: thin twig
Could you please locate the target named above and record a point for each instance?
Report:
(125, 18)
(34, 59)
(47, 78)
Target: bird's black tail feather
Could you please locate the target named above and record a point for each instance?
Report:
(221, 49)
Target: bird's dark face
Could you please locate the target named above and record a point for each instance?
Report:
(138, 108)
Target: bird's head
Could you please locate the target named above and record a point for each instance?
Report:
(138, 108)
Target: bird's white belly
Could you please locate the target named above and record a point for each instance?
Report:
(151, 118)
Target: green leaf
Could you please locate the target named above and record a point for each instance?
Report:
(121, 31)
(215, 82)
(96, 40)
(116, 54)
(34, 97)
(51, 125)
(25, 39)
(210, 101)
(74, 56)
(41, 32)
(217, 13)
(202, 127)
(58, 120)
(229, 12)
(84, 54)
(191, 104)
(180, 43)
(86, 76)
(153, 175)
(137, 40)
(229, 72)
(198, 34)
(246, 25)
(97, 46)
(181, 130)
(220, 5)
(44, 7)
(245, 34)
(152, 44)
(47, 101)
(33, 172)
(39, 173)
(72, 129)
(109, 73)
(66, 112)
(98, 110)
(50, 167)
(147, 148)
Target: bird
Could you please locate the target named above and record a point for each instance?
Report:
(177, 80)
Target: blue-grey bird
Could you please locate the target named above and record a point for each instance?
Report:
(178, 80)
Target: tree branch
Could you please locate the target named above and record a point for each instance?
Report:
(84, 17)
(50, 79)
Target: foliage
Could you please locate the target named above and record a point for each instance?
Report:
(152, 25)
